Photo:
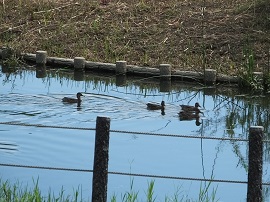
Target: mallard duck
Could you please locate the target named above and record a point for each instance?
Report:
(153, 106)
(73, 100)
(191, 108)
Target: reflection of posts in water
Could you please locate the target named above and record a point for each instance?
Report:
(41, 58)
(165, 85)
(79, 65)
(101, 158)
(121, 80)
(210, 91)
(165, 77)
(40, 71)
(121, 70)
(255, 161)
(79, 75)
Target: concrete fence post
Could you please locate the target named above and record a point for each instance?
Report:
(101, 159)
(121, 67)
(210, 76)
(41, 58)
(255, 161)
(79, 63)
(165, 71)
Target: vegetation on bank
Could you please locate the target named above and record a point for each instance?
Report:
(15, 192)
(229, 36)
(190, 35)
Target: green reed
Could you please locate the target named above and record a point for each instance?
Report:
(17, 192)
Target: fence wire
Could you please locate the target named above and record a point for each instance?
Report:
(126, 132)
(130, 174)
(123, 173)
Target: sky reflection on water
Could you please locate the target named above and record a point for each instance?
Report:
(27, 99)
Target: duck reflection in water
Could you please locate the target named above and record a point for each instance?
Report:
(190, 115)
(155, 106)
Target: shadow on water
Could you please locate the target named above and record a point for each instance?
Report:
(35, 97)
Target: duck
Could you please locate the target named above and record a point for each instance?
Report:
(73, 100)
(191, 108)
(153, 106)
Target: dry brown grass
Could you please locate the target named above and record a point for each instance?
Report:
(189, 35)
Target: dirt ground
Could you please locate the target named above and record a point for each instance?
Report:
(189, 34)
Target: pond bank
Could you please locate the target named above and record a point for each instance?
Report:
(130, 69)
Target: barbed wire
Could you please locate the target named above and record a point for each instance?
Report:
(130, 174)
(128, 132)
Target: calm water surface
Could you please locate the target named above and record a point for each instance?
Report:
(27, 99)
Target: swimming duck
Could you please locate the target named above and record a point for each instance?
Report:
(191, 108)
(73, 100)
(153, 106)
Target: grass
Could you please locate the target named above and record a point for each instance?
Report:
(190, 35)
(16, 192)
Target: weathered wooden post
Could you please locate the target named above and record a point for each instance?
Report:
(165, 78)
(41, 58)
(255, 160)
(101, 159)
(210, 76)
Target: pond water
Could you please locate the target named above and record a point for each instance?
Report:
(24, 98)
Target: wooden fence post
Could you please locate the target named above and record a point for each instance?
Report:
(255, 160)
(101, 159)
